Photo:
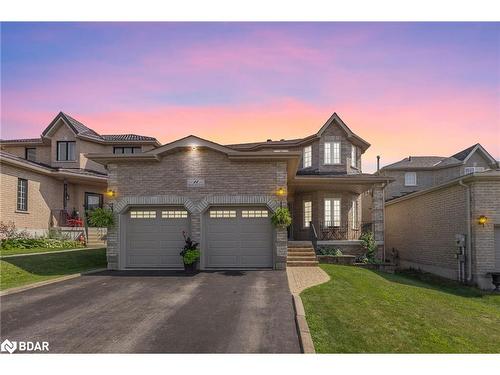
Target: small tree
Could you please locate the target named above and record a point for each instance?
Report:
(101, 218)
(369, 246)
(281, 217)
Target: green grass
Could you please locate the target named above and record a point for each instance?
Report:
(361, 311)
(16, 251)
(18, 271)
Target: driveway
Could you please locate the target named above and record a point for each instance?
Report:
(157, 312)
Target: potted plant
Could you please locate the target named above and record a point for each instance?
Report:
(281, 217)
(190, 254)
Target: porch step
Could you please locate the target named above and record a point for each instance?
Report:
(301, 254)
(302, 244)
(303, 258)
(297, 263)
(300, 250)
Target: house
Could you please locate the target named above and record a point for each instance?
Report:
(45, 179)
(416, 173)
(443, 215)
(223, 196)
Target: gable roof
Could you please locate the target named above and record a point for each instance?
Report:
(417, 162)
(464, 153)
(299, 141)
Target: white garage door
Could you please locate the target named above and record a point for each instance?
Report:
(238, 237)
(154, 237)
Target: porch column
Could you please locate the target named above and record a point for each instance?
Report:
(378, 217)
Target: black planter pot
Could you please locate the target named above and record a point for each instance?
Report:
(495, 279)
(191, 269)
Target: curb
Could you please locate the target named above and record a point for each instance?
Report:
(305, 339)
(20, 289)
(51, 252)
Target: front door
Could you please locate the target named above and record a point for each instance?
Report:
(93, 200)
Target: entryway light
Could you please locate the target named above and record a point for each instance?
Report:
(281, 192)
(111, 193)
(482, 220)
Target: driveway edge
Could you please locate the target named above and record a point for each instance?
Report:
(305, 339)
(48, 282)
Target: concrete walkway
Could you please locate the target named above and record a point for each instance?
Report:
(301, 278)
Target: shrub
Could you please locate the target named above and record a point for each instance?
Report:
(190, 252)
(281, 217)
(369, 246)
(101, 218)
(329, 251)
(30, 243)
(9, 230)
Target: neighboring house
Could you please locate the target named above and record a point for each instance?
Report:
(416, 173)
(224, 196)
(44, 179)
(452, 229)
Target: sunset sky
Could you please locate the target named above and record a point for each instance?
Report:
(408, 89)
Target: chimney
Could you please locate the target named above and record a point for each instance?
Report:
(409, 158)
(269, 140)
(378, 163)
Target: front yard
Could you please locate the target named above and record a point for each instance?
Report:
(23, 270)
(361, 311)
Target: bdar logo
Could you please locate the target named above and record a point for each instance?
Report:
(8, 346)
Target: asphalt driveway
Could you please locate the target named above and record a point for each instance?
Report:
(157, 312)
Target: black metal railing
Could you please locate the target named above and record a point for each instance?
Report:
(313, 235)
(335, 230)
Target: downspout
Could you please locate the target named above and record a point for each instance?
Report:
(468, 256)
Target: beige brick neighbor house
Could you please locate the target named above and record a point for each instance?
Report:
(224, 196)
(43, 180)
(443, 215)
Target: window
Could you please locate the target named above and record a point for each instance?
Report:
(332, 153)
(30, 153)
(93, 200)
(254, 213)
(22, 194)
(218, 214)
(354, 214)
(143, 214)
(411, 179)
(307, 158)
(354, 156)
(126, 150)
(332, 212)
(174, 214)
(66, 151)
(307, 213)
(469, 170)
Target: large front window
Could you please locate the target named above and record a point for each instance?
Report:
(22, 194)
(332, 212)
(307, 157)
(66, 151)
(307, 213)
(332, 153)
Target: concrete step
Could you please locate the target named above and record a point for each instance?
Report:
(301, 259)
(301, 249)
(299, 244)
(301, 253)
(296, 263)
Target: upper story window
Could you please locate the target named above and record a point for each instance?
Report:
(469, 170)
(354, 156)
(66, 151)
(30, 153)
(22, 194)
(332, 152)
(411, 179)
(307, 157)
(126, 150)
(332, 212)
(307, 213)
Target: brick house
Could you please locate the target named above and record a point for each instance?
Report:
(44, 179)
(224, 196)
(433, 212)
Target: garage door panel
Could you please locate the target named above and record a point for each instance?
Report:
(141, 260)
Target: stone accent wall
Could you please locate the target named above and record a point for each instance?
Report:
(227, 182)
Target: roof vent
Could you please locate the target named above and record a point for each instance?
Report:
(282, 139)
(269, 140)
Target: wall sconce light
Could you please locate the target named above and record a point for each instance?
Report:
(193, 148)
(281, 192)
(482, 220)
(111, 193)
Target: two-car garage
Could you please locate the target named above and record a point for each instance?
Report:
(232, 237)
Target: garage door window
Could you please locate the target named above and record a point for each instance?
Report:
(174, 214)
(254, 213)
(143, 214)
(216, 214)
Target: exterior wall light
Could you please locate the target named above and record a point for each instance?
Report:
(482, 220)
(111, 193)
(193, 148)
(281, 192)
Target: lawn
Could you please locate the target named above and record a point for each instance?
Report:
(361, 311)
(18, 271)
(17, 251)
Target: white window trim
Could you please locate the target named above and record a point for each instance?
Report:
(306, 222)
(332, 153)
(332, 214)
(411, 174)
(307, 157)
(354, 156)
(470, 170)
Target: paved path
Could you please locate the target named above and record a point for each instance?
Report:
(300, 278)
(52, 252)
(157, 312)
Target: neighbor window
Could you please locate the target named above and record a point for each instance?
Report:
(22, 194)
(411, 179)
(307, 213)
(254, 213)
(30, 153)
(469, 170)
(222, 214)
(126, 150)
(174, 214)
(332, 153)
(354, 156)
(66, 151)
(332, 212)
(143, 214)
(307, 158)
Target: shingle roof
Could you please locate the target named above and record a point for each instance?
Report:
(464, 153)
(80, 128)
(24, 140)
(417, 162)
(127, 137)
